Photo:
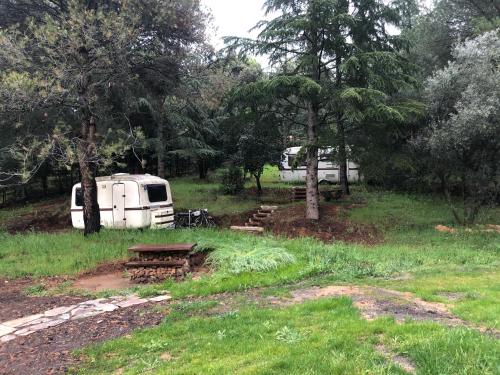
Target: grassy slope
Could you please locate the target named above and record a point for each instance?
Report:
(322, 337)
(193, 193)
(434, 259)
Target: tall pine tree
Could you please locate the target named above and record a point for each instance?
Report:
(344, 47)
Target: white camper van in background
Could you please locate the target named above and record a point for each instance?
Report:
(128, 201)
(327, 171)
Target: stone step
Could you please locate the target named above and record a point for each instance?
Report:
(255, 217)
(262, 214)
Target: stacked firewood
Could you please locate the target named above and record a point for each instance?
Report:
(155, 263)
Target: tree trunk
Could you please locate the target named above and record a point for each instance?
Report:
(202, 168)
(45, 184)
(344, 182)
(312, 193)
(259, 185)
(87, 157)
(160, 152)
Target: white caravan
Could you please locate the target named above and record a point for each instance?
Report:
(128, 201)
(327, 171)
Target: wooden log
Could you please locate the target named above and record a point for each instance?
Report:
(248, 229)
(269, 208)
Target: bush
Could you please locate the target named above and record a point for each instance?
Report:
(233, 181)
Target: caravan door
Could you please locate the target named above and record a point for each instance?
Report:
(119, 220)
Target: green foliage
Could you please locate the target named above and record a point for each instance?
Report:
(249, 255)
(463, 140)
(232, 180)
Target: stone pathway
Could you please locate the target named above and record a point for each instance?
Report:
(30, 324)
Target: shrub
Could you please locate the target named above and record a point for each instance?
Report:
(233, 181)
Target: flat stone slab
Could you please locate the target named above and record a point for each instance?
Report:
(5, 330)
(30, 324)
(160, 298)
(22, 321)
(59, 310)
(132, 302)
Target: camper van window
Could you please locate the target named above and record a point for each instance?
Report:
(291, 160)
(157, 193)
(78, 197)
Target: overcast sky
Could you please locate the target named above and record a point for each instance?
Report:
(237, 17)
(234, 17)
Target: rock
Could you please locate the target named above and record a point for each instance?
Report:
(80, 313)
(160, 298)
(22, 321)
(106, 307)
(7, 338)
(59, 310)
(134, 300)
(4, 330)
(50, 323)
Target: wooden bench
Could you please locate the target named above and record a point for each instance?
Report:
(162, 248)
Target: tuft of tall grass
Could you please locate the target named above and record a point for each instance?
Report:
(248, 255)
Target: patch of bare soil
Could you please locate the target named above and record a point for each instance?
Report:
(376, 302)
(48, 216)
(403, 362)
(16, 304)
(49, 351)
(332, 226)
(225, 221)
(100, 283)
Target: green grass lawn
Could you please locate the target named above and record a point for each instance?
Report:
(328, 336)
(322, 337)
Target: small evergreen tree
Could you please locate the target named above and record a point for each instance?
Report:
(464, 139)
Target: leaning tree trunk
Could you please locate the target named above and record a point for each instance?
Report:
(87, 157)
(312, 193)
(344, 182)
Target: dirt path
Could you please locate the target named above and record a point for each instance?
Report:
(49, 351)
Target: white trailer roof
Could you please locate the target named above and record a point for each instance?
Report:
(129, 177)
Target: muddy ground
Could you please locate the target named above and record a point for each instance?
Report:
(333, 225)
(15, 303)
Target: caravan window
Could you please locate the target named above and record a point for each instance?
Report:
(157, 193)
(78, 197)
(291, 160)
